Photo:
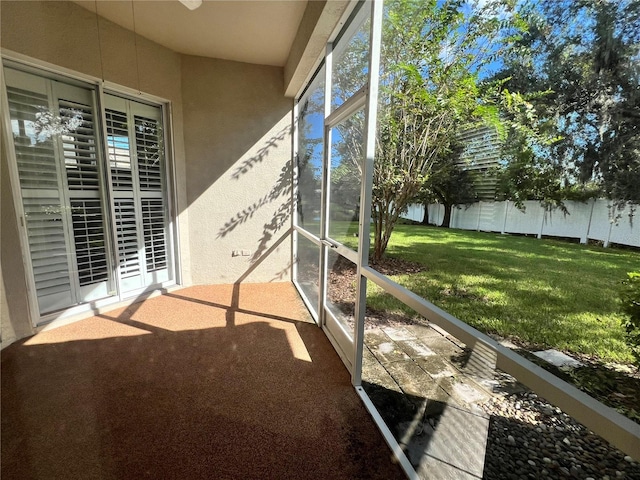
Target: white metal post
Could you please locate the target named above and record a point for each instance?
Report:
(371, 115)
(294, 191)
(324, 200)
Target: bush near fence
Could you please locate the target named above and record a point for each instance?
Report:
(593, 220)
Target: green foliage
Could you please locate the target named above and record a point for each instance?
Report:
(584, 54)
(545, 293)
(430, 88)
(630, 296)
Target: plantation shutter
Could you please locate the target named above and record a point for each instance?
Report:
(83, 177)
(122, 166)
(149, 148)
(42, 204)
(136, 159)
(55, 146)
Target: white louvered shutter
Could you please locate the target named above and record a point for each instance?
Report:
(57, 163)
(125, 202)
(149, 150)
(44, 217)
(78, 145)
(135, 143)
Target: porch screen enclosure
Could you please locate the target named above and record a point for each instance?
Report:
(335, 131)
(335, 128)
(93, 190)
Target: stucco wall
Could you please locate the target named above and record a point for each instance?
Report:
(232, 143)
(66, 35)
(237, 127)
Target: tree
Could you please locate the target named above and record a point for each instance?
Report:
(586, 54)
(433, 53)
(449, 184)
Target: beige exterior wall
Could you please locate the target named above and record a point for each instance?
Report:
(66, 35)
(232, 144)
(318, 22)
(238, 144)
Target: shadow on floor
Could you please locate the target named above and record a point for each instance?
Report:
(169, 388)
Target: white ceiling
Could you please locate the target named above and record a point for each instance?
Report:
(256, 31)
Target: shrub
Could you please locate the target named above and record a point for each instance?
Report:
(630, 296)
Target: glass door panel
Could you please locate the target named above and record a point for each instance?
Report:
(83, 178)
(136, 162)
(344, 158)
(309, 158)
(345, 178)
(308, 271)
(340, 298)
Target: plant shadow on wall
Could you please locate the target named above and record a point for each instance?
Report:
(279, 197)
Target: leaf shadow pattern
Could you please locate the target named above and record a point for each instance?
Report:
(282, 188)
(280, 194)
(262, 153)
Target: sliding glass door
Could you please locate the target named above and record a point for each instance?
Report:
(93, 209)
(62, 188)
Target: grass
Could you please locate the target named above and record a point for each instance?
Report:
(548, 293)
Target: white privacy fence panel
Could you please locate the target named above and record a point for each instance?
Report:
(575, 224)
(436, 213)
(466, 217)
(528, 222)
(415, 213)
(491, 217)
(593, 220)
(600, 222)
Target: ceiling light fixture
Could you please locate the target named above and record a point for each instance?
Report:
(191, 4)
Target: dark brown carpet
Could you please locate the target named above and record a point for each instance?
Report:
(216, 382)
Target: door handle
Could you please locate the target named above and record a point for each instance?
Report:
(329, 244)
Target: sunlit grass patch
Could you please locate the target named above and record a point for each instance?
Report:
(548, 293)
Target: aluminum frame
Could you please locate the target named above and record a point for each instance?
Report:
(605, 421)
(614, 427)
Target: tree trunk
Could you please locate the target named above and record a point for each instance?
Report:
(425, 219)
(446, 221)
(377, 236)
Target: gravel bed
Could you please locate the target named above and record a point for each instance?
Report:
(530, 438)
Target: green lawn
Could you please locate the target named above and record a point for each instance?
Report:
(544, 292)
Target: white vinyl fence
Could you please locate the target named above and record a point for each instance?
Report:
(593, 220)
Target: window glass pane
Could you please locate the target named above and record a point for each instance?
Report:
(308, 261)
(351, 59)
(345, 179)
(149, 150)
(119, 151)
(341, 290)
(310, 148)
(78, 145)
